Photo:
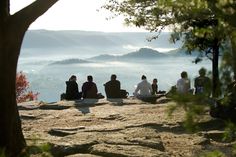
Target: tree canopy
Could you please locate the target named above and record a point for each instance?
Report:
(203, 25)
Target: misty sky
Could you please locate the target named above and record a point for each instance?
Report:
(75, 15)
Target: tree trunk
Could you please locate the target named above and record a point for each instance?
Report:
(12, 30)
(11, 136)
(215, 70)
(233, 43)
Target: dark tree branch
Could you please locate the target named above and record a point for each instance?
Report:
(4, 10)
(30, 13)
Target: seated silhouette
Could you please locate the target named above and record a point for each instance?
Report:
(202, 83)
(89, 89)
(155, 90)
(144, 88)
(72, 91)
(112, 88)
(183, 84)
(154, 87)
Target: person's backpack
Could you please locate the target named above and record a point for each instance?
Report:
(123, 93)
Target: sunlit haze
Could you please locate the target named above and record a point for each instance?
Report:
(76, 15)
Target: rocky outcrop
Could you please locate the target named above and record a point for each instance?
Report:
(113, 128)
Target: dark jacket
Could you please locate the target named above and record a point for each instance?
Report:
(112, 89)
(72, 91)
(154, 89)
(202, 85)
(89, 90)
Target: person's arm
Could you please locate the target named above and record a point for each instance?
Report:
(195, 83)
(76, 88)
(95, 87)
(150, 88)
(119, 85)
(178, 84)
(83, 90)
(136, 90)
(189, 84)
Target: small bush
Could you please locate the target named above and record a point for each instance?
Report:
(22, 86)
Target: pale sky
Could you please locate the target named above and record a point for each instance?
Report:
(75, 15)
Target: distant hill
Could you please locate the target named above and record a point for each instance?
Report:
(143, 53)
(69, 61)
(182, 53)
(104, 57)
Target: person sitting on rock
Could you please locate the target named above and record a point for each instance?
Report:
(144, 88)
(154, 87)
(89, 89)
(72, 91)
(202, 83)
(183, 84)
(155, 90)
(112, 88)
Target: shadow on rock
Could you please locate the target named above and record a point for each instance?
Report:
(214, 124)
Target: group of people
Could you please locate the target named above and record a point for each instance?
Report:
(144, 89)
(112, 89)
(89, 89)
(202, 84)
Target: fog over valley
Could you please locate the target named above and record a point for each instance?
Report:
(49, 58)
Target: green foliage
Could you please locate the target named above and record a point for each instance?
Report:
(193, 116)
(234, 150)
(2, 152)
(230, 132)
(227, 70)
(215, 153)
(42, 150)
(194, 106)
(34, 148)
(197, 22)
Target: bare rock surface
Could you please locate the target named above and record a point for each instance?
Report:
(115, 128)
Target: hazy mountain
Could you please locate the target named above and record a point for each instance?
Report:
(104, 57)
(144, 53)
(69, 61)
(141, 54)
(92, 42)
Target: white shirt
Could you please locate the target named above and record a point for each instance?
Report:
(183, 85)
(144, 88)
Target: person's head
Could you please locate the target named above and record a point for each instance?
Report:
(154, 81)
(184, 74)
(72, 78)
(202, 72)
(143, 77)
(90, 78)
(113, 77)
